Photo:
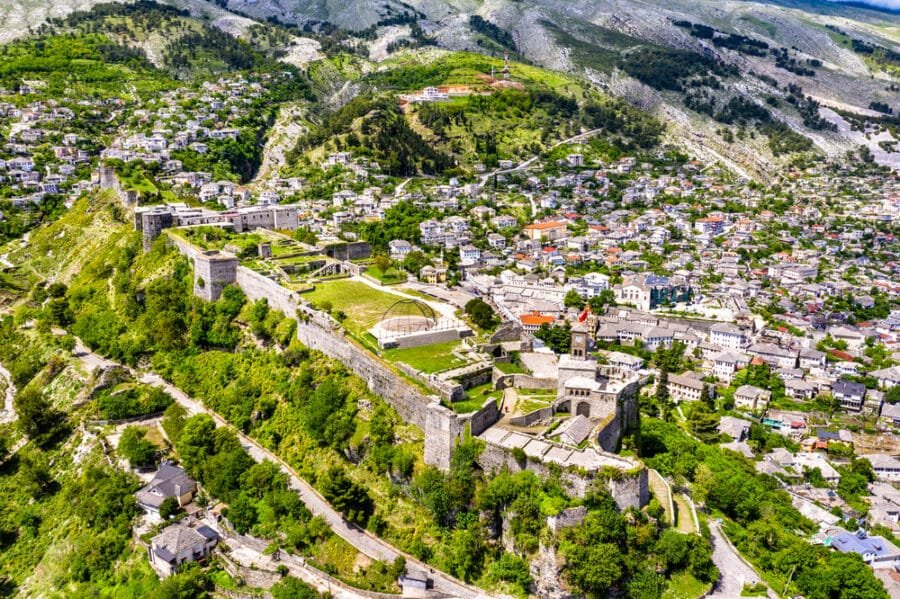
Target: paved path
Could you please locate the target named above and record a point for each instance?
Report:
(734, 570)
(8, 412)
(250, 552)
(522, 166)
(663, 493)
(361, 539)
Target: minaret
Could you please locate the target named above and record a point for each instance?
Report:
(506, 65)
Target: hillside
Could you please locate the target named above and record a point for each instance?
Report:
(486, 119)
(843, 58)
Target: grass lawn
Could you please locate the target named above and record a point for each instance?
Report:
(685, 519)
(428, 358)
(363, 305)
(510, 368)
(391, 277)
(530, 404)
(476, 396)
(684, 586)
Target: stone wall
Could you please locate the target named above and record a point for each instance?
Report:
(443, 428)
(609, 433)
(531, 418)
(485, 417)
(522, 381)
(256, 286)
(410, 402)
(628, 488)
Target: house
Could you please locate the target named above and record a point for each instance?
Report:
(887, 377)
(546, 231)
(728, 336)
(886, 467)
(890, 414)
(575, 430)
(811, 460)
(875, 551)
(850, 394)
(751, 398)
(800, 389)
(782, 457)
(647, 292)
(624, 361)
(433, 275)
(532, 321)
(736, 428)
(685, 387)
(169, 481)
(399, 248)
(812, 358)
(773, 355)
(725, 364)
(178, 544)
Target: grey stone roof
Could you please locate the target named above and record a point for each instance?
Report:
(178, 538)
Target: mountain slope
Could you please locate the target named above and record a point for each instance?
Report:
(792, 59)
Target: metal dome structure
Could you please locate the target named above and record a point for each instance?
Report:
(408, 316)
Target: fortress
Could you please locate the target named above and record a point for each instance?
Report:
(590, 393)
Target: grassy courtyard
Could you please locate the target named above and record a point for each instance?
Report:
(362, 305)
(429, 358)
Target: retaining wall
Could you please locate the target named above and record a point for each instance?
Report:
(522, 381)
(531, 418)
(628, 488)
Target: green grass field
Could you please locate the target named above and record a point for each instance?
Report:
(429, 358)
(684, 586)
(363, 305)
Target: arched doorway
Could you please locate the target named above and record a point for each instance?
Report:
(584, 409)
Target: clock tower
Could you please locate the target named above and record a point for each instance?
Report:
(580, 342)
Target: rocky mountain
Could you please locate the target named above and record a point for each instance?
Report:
(747, 83)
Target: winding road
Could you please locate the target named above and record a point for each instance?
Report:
(522, 166)
(7, 412)
(734, 570)
(361, 539)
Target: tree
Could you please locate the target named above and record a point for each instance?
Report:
(481, 313)
(168, 508)
(415, 261)
(173, 420)
(348, 497)
(383, 263)
(662, 387)
(35, 475)
(573, 299)
(707, 397)
(599, 302)
(195, 443)
(293, 588)
(242, 513)
(464, 553)
(593, 568)
(135, 448)
(189, 583)
(704, 423)
(38, 419)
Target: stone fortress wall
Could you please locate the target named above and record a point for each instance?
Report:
(442, 426)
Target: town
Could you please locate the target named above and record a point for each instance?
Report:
(611, 325)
